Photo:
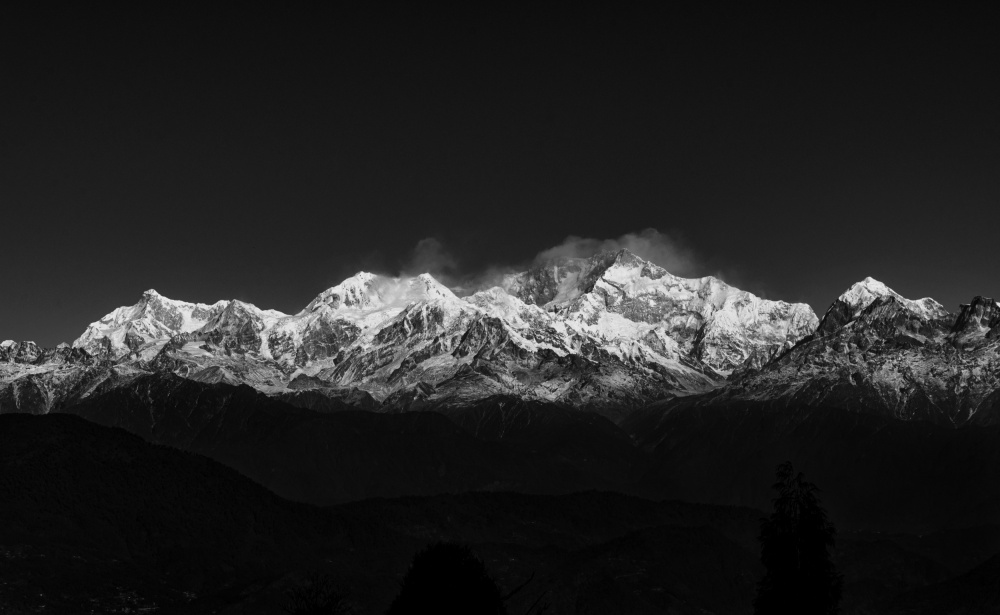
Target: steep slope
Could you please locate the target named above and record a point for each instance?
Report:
(338, 316)
(37, 381)
(607, 334)
(875, 351)
(153, 318)
(618, 295)
(459, 350)
(331, 457)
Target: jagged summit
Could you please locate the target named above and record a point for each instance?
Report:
(562, 279)
(877, 351)
(861, 295)
(981, 317)
(618, 296)
(152, 317)
(608, 331)
(354, 292)
(19, 352)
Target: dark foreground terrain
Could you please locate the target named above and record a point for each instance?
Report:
(877, 473)
(97, 520)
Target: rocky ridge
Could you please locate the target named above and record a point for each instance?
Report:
(878, 352)
(606, 333)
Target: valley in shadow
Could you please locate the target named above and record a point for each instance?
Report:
(209, 498)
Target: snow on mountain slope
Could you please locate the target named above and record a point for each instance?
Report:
(240, 326)
(366, 292)
(618, 297)
(338, 316)
(862, 294)
(609, 331)
(977, 320)
(499, 303)
(877, 351)
(153, 317)
(414, 345)
(39, 380)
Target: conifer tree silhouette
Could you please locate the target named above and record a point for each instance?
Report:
(447, 578)
(795, 542)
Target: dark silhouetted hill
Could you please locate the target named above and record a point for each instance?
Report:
(331, 457)
(98, 509)
(875, 472)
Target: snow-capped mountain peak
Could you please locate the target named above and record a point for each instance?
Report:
(623, 297)
(368, 291)
(152, 317)
(605, 333)
(584, 330)
(355, 292)
(861, 295)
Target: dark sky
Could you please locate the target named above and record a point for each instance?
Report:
(266, 156)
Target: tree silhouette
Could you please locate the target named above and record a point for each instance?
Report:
(447, 578)
(795, 549)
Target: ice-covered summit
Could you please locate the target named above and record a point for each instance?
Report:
(152, 317)
(541, 334)
(860, 295)
(608, 332)
(369, 291)
(864, 294)
(621, 298)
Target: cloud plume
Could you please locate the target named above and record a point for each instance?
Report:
(430, 255)
(649, 244)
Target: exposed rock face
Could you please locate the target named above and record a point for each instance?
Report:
(610, 295)
(19, 352)
(876, 351)
(607, 333)
(610, 333)
(858, 297)
(153, 318)
(981, 318)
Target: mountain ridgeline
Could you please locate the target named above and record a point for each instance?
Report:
(607, 334)
(600, 373)
(555, 421)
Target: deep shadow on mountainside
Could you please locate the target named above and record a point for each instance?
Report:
(881, 473)
(876, 472)
(332, 457)
(94, 519)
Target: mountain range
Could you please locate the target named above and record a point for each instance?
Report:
(572, 394)
(611, 334)
(608, 334)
